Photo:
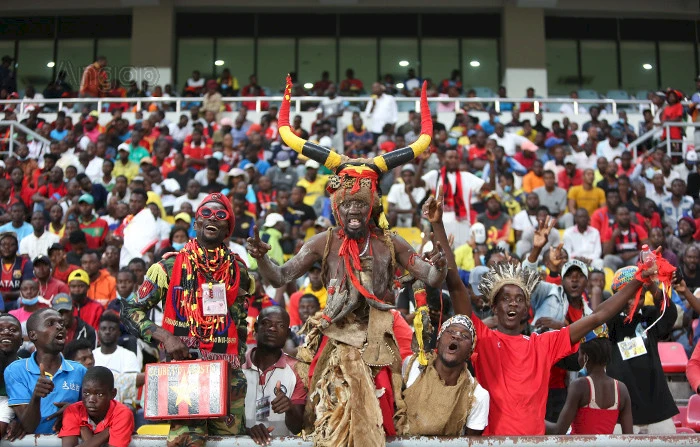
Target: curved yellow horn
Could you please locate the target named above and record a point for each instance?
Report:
(398, 157)
(325, 156)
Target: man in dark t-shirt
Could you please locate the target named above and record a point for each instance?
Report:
(15, 269)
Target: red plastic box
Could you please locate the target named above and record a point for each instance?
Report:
(186, 390)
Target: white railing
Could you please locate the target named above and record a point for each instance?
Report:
(668, 142)
(10, 140)
(539, 103)
(495, 441)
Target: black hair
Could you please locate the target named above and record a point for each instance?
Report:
(549, 171)
(596, 271)
(36, 317)
(492, 252)
(90, 253)
(274, 309)
(74, 346)
(138, 261)
(76, 237)
(177, 230)
(81, 176)
(110, 317)
(127, 271)
(598, 351)
(310, 296)
(100, 375)
(140, 191)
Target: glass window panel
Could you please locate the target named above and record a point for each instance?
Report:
(638, 66)
(677, 65)
(194, 54)
(275, 60)
(316, 56)
(439, 58)
(32, 59)
(73, 56)
(393, 56)
(360, 55)
(562, 68)
(238, 56)
(599, 65)
(483, 52)
(117, 52)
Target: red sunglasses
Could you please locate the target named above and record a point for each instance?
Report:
(218, 214)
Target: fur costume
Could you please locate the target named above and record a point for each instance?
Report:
(351, 361)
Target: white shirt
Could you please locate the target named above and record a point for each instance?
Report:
(478, 417)
(33, 246)
(668, 181)
(194, 202)
(165, 190)
(330, 106)
(198, 83)
(179, 133)
(568, 109)
(585, 245)
(584, 161)
(385, 112)
(94, 169)
(682, 169)
(605, 150)
(119, 362)
(509, 142)
(69, 159)
(37, 150)
(398, 197)
(523, 221)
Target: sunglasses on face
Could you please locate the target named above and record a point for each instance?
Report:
(208, 212)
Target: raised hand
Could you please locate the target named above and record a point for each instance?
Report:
(256, 247)
(436, 257)
(544, 227)
(281, 403)
(557, 256)
(432, 208)
(44, 386)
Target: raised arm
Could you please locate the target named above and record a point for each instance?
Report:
(432, 272)
(278, 276)
(608, 309)
(432, 210)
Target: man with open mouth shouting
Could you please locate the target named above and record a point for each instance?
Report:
(351, 349)
(512, 367)
(203, 291)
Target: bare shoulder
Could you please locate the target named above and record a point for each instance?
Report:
(317, 243)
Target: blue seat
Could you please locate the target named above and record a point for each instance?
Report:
(617, 94)
(485, 92)
(588, 94)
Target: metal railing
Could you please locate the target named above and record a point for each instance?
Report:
(525, 441)
(668, 142)
(539, 104)
(10, 140)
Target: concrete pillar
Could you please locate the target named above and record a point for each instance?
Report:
(523, 50)
(153, 42)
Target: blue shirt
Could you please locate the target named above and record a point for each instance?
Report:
(58, 135)
(21, 377)
(21, 232)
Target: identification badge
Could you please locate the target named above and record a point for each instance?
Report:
(213, 300)
(631, 348)
(262, 409)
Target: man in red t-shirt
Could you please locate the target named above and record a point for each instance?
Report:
(477, 151)
(622, 241)
(197, 150)
(512, 367)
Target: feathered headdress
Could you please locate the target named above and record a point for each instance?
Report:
(505, 273)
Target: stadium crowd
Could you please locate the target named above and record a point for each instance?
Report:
(85, 217)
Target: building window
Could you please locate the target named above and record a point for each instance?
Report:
(194, 54)
(316, 56)
(73, 56)
(238, 55)
(438, 58)
(396, 56)
(677, 65)
(480, 66)
(275, 60)
(35, 64)
(639, 70)
(599, 65)
(118, 54)
(562, 68)
(359, 54)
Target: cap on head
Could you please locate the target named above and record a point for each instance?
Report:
(87, 198)
(79, 275)
(574, 264)
(62, 301)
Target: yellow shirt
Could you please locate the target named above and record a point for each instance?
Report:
(464, 257)
(321, 295)
(313, 190)
(129, 170)
(591, 200)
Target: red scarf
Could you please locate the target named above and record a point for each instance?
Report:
(456, 199)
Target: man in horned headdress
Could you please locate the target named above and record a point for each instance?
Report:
(351, 349)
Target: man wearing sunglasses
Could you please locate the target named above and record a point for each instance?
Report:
(206, 286)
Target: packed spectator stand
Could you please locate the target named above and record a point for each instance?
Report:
(99, 183)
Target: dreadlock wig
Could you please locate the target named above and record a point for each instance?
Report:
(505, 273)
